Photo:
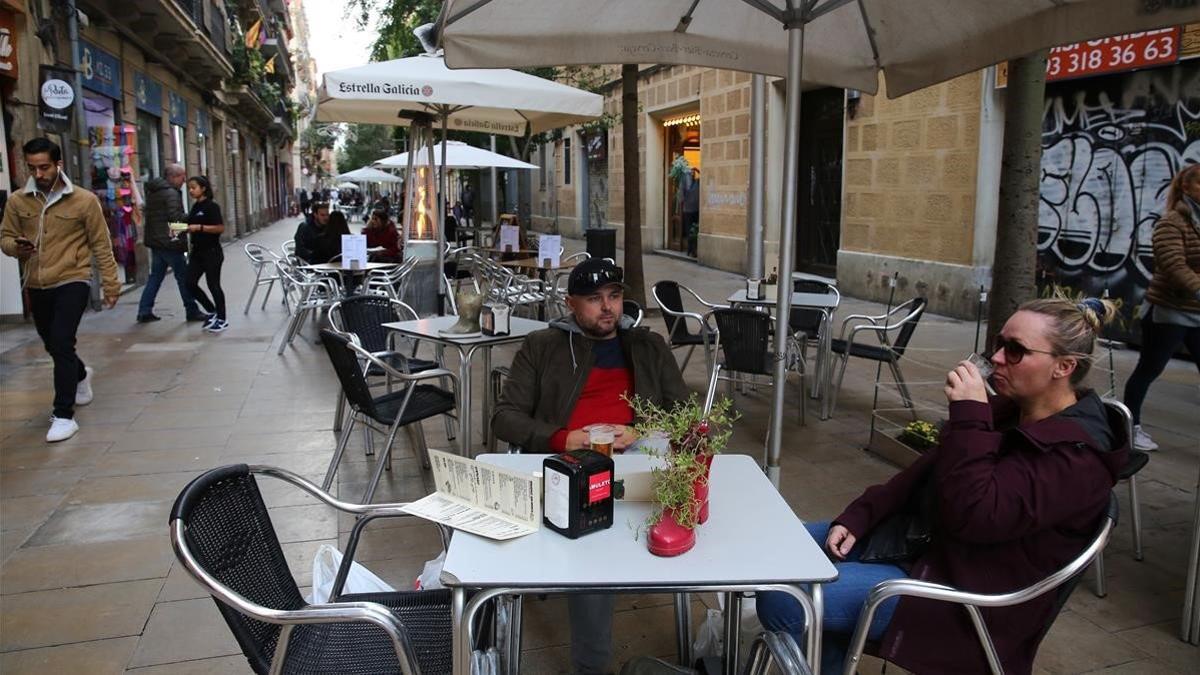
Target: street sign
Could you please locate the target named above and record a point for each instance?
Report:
(1107, 55)
(55, 99)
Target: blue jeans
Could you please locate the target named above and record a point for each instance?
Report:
(843, 601)
(159, 262)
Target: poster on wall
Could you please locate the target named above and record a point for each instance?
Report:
(8, 44)
(55, 100)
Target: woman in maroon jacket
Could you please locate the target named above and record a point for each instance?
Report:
(1016, 488)
(381, 233)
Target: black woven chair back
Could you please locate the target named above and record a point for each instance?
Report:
(1063, 593)
(230, 534)
(745, 339)
(906, 331)
(668, 296)
(364, 315)
(807, 321)
(631, 309)
(349, 372)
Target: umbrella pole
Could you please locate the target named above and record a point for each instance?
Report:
(758, 124)
(787, 238)
(441, 210)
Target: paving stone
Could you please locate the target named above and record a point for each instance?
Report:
(221, 665)
(97, 612)
(103, 522)
(98, 657)
(207, 634)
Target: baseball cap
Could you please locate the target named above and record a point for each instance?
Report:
(593, 274)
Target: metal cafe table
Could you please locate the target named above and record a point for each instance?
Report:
(751, 542)
(826, 304)
(431, 330)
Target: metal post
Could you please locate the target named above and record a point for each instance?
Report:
(758, 130)
(585, 211)
(492, 188)
(81, 141)
(787, 238)
(441, 224)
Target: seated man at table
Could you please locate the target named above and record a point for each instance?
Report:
(576, 373)
(313, 245)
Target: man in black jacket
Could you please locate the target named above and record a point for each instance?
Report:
(576, 373)
(165, 205)
(312, 244)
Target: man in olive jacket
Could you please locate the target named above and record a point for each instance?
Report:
(574, 374)
(165, 205)
(57, 229)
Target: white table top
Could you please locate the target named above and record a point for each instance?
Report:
(428, 329)
(751, 537)
(337, 267)
(809, 276)
(815, 300)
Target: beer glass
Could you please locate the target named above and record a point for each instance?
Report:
(600, 438)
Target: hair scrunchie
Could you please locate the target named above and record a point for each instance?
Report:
(1094, 304)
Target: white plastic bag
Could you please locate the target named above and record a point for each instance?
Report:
(431, 575)
(485, 663)
(325, 569)
(710, 637)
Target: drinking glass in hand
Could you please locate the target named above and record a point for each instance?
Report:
(600, 438)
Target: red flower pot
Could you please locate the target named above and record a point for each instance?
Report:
(668, 538)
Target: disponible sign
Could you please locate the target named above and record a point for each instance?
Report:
(1118, 53)
(1113, 54)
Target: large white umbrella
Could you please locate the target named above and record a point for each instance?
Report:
(915, 43)
(347, 185)
(369, 174)
(495, 101)
(459, 155)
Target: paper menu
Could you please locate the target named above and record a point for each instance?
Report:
(549, 246)
(354, 251)
(479, 498)
(510, 238)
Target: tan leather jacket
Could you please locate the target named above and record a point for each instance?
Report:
(68, 232)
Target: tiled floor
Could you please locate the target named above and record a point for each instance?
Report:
(89, 584)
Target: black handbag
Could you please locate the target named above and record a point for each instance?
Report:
(904, 536)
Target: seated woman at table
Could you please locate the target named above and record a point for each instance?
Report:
(381, 233)
(1014, 490)
(338, 225)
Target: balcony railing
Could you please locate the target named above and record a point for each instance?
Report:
(194, 9)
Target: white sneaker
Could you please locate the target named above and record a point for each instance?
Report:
(61, 429)
(83, 392)
(216, 326)
(1142, 440)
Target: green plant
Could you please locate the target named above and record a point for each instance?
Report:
(919, 435)
(692, 437)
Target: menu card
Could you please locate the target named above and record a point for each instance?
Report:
(510, 238)
(548, 247)
(354, 251)
(479, 498)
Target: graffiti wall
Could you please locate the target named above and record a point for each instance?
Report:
(1110, 146)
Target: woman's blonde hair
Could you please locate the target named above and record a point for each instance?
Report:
(1175, 191)
(1075, 325)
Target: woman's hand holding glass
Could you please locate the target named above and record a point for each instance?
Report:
(965, 383)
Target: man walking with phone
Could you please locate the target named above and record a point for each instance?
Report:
(56, 230)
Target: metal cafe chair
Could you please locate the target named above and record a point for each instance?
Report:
(1122, 420)
(743, 337)
(385, 414)
(222, 535)
(262, 259)
(777, 649)
(667, 296)
(311, 293)
(902, 320)
(1064, 581)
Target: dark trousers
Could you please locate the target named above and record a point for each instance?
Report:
(159, 262)
(56, 313)
(691, 230)
(207, 263)
(1159, 342)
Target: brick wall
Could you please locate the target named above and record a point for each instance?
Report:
(910, 168)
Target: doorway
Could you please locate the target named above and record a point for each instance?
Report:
(819, 193)
(682, 188)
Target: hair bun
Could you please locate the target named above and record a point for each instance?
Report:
(1097, 311)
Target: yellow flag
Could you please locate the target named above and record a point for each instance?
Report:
(270, 67)
(252, 35)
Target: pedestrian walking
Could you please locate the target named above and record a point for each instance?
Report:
(1170, 313)
(164, 205)
(57, 231)
(205, 225)
(691, 212)
(468, 207)
(304, 201)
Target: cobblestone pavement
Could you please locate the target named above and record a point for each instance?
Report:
(89, 583)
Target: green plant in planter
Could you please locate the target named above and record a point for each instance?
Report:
(691, 435)
(919, 435)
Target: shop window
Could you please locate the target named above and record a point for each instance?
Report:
(177, 139)
(149, 152)
(682, 178)
(566, 161)
(202, 151)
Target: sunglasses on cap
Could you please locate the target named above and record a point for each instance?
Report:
(1014, 351)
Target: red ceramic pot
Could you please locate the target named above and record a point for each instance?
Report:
(668, 538)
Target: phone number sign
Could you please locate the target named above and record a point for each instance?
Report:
(1113, 54)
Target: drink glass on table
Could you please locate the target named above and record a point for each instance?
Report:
(600, 438)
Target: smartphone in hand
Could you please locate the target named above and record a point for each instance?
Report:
(24, 244)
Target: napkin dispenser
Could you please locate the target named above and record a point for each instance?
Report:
(495, 319)
(578, 492)
(754, 289)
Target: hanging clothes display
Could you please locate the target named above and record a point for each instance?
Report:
(112, 182)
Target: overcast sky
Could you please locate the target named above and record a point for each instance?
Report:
(335, 40)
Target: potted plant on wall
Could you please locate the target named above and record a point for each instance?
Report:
(692, 437)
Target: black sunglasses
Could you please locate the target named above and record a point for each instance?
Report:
(600, 277)
(1014, 351)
